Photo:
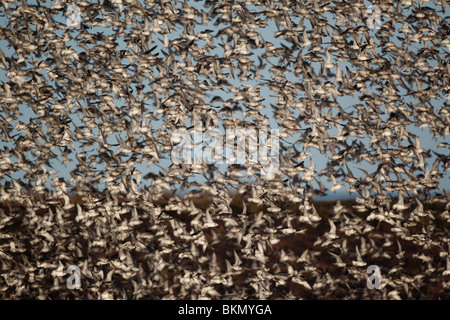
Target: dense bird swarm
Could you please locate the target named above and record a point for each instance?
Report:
(105, 97)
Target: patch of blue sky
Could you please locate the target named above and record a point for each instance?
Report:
(265, 91)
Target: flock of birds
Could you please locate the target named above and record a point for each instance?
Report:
(92, 97)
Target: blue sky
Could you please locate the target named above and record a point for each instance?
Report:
(346, 102)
